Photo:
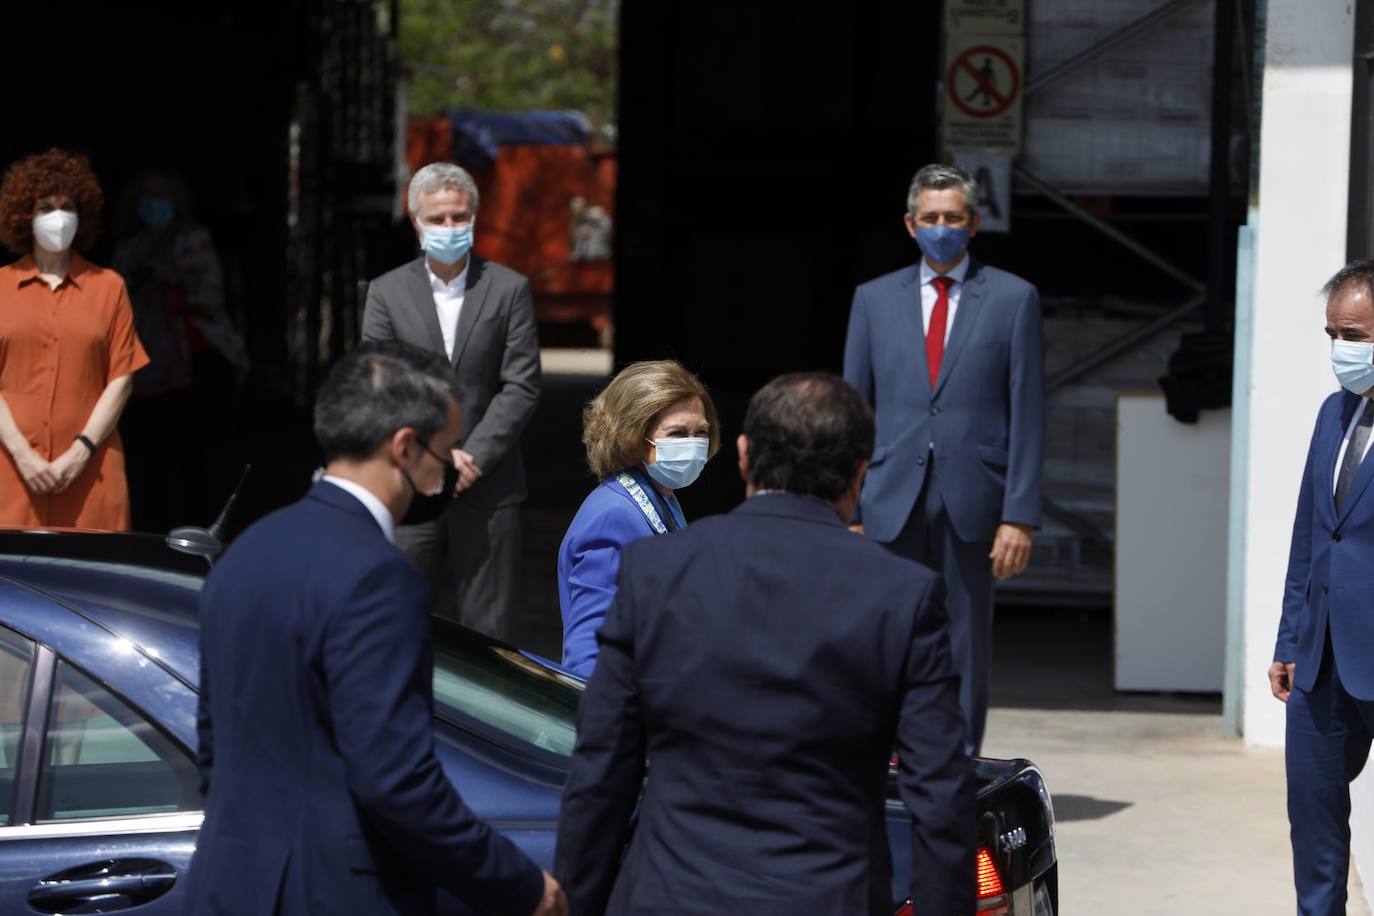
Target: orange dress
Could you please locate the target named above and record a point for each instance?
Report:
(59, 349)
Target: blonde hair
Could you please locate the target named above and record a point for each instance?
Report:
(616, 423)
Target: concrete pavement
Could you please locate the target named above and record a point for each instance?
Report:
(1156, 812)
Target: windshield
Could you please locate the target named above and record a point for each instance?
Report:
(496, 685)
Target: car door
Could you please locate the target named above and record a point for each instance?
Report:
(100, 805)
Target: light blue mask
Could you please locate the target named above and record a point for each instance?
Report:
(156, 212)
(447, 244)
(1353, 363)
(679, 461)
(942, 244)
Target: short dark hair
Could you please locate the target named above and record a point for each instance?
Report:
(377, 389)
(1358, 272)
(808, 433)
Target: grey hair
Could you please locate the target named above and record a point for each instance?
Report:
(378, 389)
(937, 177)
(440, 176)
(1357, 273)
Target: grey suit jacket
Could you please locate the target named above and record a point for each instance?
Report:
(984, 422)
(495, 357)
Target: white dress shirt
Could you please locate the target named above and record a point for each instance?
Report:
(370, 502)
(929, 293)
(1345, 443)
(448, 302)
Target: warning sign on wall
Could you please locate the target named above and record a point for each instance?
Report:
(985, 17)
(983, 83)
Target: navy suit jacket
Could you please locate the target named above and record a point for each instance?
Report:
(1330, 582)
(985, 417)
(316, 736)
(767, 662)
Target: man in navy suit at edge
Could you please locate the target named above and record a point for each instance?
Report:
(316, 740)
(1324, 656)
(949, 353)
(767, 662)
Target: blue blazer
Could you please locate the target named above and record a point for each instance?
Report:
(985, 417)
(767, 661)
(588, 560)
(1330, 582)
(316, 736)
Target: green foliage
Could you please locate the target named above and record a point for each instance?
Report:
(511, 55)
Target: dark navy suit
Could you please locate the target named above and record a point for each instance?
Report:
(952, 463)
(766, 662)
(324, 794)
(1327, 630)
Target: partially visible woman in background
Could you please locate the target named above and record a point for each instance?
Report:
(68, 352)
(176, 285)
(647, 434)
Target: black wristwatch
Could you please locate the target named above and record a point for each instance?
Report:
(86, 441)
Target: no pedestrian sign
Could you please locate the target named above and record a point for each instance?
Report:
(982, 106)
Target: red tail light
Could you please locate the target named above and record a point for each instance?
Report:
(991, 891)
(989, 881)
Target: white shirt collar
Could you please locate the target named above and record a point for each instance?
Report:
(958, 274)
(455, 285)
(370, 502)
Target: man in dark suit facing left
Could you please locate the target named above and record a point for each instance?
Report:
(316, 742)
(768, 661)
(949, 353)
(479, 317)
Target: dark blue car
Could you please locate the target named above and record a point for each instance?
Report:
(99, 805)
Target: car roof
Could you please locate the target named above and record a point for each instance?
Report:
(132, 585)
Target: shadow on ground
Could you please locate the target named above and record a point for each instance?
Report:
(1085, 808)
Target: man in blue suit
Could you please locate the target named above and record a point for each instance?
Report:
(1324, 657)
(949, 353)
(316, 743)
(768, 661)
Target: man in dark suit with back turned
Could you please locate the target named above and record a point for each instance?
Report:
(768, 661)
(1324, 656)
(316, 742)
(479, 317)
(949, 353)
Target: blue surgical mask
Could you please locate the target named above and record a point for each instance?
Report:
(678, 462)
(942, 244)
(1353, 363)
(447, 244)
(156, 212)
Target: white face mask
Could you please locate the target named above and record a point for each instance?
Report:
(54, 231)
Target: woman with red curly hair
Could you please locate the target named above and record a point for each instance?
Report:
(68, 352)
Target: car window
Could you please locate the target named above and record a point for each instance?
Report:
(103, 759)
(503, 689)
(16, 660)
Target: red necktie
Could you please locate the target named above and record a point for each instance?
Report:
(935, 334)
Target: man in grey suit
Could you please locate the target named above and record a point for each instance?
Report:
(479, 315)
(949, 353)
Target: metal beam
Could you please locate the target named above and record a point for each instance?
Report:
(1122, 344)
(1102, 46)
(1076, 523)
(1054, 194)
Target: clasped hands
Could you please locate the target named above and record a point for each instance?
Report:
(51, 477)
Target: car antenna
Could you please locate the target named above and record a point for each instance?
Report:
(208, 542)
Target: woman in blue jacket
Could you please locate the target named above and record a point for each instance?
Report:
(648, 433)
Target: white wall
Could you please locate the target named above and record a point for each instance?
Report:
(1171, 498)
(1303, 191)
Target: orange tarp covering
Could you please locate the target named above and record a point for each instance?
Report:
(526, 217)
